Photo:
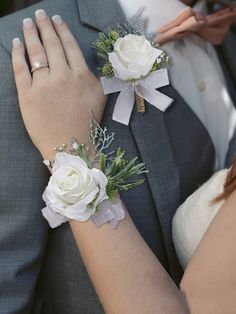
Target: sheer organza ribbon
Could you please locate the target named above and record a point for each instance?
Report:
(111, 212)
(145, 88)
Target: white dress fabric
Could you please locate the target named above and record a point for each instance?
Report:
(195, 215)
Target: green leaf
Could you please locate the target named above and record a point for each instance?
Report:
(108, 70)
(121, 173)
(102, 162)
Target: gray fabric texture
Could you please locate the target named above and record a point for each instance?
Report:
(227, 50)
(174, 145)
(226, 53)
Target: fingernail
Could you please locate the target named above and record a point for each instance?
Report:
(41, 15)
(16, 42)
(57, 19)
(28, 23)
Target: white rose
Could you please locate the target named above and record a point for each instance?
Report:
(133, 57)
(74, 190)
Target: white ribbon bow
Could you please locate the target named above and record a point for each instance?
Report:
(145, 88)
(111, 212)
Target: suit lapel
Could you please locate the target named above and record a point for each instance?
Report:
(149, 130)
(151, 136)
(100, 14)
(226, 54)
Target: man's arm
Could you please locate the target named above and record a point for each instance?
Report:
(231, 152)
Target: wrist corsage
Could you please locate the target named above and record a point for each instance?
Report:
(81, 189)
(133, 65)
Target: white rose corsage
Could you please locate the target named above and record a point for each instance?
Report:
(134, 66)
(80, 191)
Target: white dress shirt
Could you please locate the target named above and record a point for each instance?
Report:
(195, 72)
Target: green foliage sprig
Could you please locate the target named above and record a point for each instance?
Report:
(105, 45)
(122, 174)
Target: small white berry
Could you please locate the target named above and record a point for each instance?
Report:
(75, 145)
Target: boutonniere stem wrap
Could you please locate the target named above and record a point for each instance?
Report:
(144, 88)
(84, 189)
(134, 67)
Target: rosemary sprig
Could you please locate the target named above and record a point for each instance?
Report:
(121, 173)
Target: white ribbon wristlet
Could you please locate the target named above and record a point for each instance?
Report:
(76, 192)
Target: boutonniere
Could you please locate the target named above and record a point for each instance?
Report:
(134, 66)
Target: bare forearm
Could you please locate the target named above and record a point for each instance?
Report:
(127, 276)
(210, 281)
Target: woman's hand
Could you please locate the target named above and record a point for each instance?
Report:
(56, 101)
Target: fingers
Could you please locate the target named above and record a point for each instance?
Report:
(73, 53)
(34, 47)
(57, 48)
(21, 70)
(51, 42)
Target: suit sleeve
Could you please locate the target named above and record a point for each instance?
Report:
(23, 232)
(232, 151)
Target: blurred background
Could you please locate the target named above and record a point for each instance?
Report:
(9, 6)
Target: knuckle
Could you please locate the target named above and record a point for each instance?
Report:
(84, 74)
(71, 45)
(35, 49)
(52, 41)
(48, 35)
(19, 66)
(70, 41)
(25, 98)
(41, 85)
(61, 79)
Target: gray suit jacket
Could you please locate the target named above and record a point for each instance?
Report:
(226, 53)
(41, 270)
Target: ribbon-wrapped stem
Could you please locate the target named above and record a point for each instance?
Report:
(139, 100)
